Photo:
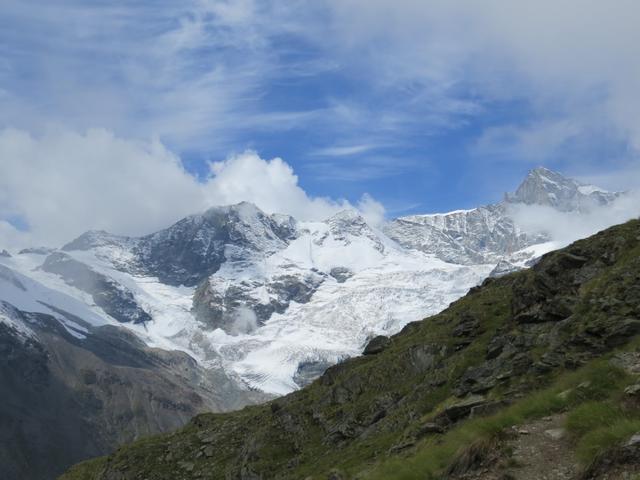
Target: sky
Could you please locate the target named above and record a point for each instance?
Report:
(128, 115)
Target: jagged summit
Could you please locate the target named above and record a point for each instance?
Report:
(546, 187)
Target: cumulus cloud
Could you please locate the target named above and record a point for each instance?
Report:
(63, 183)
(272, 185)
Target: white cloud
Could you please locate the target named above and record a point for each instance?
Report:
(573, 63)
(344, 150)
(564, 227)
(63, 183)
(272, 185)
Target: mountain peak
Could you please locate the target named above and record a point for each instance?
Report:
(543, 186)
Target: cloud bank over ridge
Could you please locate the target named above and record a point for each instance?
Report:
(61, 184)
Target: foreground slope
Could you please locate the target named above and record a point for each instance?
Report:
(500, 355)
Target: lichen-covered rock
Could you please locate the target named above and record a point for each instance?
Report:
(377, 345)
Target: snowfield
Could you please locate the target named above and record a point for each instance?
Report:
(282, 299)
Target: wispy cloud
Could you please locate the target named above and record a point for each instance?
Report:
(344, 150)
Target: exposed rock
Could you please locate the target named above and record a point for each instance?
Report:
(66, 399)
(633, 441)
(115, 299)
(341, 274)
(377, 345)
(428, 428)
(219, 305)
(309, 371)
(555, 433)
(5, 254)
(457, 411)
(546, 187)
(467, 327)
(633, 390)
(36, 251)
(503, 267)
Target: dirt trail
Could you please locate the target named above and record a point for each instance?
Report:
(536, 451)
(541, 452)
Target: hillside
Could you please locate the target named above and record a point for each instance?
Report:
(438, 399)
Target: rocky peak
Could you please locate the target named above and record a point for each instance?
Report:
(542, 186)
(349, 223)
(93, 239)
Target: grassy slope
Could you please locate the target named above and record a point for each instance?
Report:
(553, 326)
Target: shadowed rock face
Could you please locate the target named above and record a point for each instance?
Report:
(196, 246)
(115, 299)
(218, 306)
(65, 399)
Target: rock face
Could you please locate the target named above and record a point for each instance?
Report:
(114, 298)
(5, 254)
(501, 342)
(36, 251)
(481, 235)
(219, 305)
(65, 399)
(487, 234)
(196, 246)
(546, 187)
(377, 345)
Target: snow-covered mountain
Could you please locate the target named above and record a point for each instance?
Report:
(272, 301)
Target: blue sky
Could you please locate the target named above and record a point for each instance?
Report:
(424, 105)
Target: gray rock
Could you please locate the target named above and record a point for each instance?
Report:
(633, 441)
(195, 247)
(70, 399)
(546, 187)
(488, 234)
(503, 267)
(36, 251)
(115, 299)
(555, 433)
(5, 254)
(377, 345)
(462, 409)
(341, 274)
(309, 371)
(428, 429)
(633, 390)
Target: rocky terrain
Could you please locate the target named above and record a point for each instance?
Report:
(452, 396)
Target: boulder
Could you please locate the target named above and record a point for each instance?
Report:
(462, 409)
(377, 345)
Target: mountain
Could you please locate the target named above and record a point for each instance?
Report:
(461, 394)
(272, 300)
(233, 305)
(545, 187)
(489, 233)
(74, 386)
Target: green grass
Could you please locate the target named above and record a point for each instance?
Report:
(581, 390)
(602, 438)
